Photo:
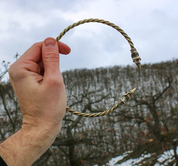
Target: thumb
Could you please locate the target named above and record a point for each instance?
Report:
(50, 56)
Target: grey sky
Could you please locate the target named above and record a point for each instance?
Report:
(151, 24)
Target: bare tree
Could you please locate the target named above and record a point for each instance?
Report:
(147, 124)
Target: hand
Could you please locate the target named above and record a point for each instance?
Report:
(39, 87)
(38, 84)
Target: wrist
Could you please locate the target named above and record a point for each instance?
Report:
(40, 125)
(27, 145)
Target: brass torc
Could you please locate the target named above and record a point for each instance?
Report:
(134, 54)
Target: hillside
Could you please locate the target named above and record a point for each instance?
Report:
(145, 126)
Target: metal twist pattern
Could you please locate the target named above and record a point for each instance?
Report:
(134, 54)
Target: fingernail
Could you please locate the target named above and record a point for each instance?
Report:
(50, 42)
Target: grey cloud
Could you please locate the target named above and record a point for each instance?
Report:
(94, 51)
(20, 39)
(46, 5)
(154, 35)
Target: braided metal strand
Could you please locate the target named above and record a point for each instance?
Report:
(98, 21)
(134, 54)
(126, 97)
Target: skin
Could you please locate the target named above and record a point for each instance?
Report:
(39, 87)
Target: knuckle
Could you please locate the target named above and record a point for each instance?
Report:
(36, 44)
(11, 71)
(56, 81)
(15, 72)
(51, 56)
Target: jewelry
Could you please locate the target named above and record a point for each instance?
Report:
(134, 54)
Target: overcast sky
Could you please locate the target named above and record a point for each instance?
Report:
(151, 24)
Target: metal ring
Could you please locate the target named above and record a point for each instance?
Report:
(134, 54)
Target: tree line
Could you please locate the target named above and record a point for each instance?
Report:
(147, 124)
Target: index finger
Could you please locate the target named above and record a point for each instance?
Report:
(35, 51)
(63, 48)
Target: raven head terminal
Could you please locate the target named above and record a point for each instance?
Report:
(136, 58)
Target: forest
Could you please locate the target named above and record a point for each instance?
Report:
(144, 128)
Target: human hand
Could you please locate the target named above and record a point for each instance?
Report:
(38, 84)
(39, 87)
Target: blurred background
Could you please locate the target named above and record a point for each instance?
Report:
(97, 72)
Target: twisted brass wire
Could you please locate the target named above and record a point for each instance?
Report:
(134, 54)
(98, 21)
(126, 97)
